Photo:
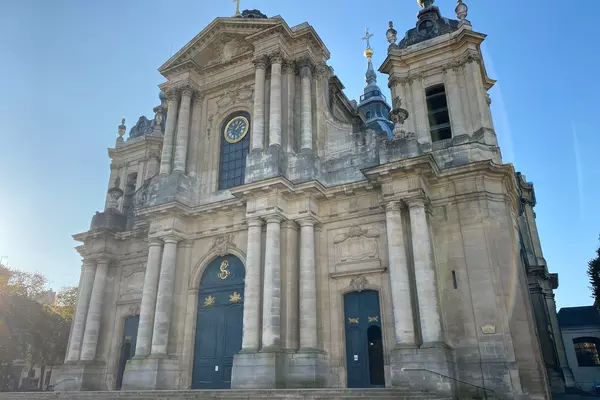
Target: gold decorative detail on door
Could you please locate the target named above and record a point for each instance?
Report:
(224, 271)
(353, 320)
(209, 301)
(235, 298)
(374, 319)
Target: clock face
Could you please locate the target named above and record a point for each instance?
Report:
(236, 129)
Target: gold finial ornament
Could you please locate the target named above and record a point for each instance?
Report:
(368, 51)
(237, 8)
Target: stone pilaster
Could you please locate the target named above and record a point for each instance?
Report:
(275, 101)
(306, 140)
(164, 301)
(308, 287)
(404, 326)
(457, 117)
(149, 293)
(289, 69)
(252, 284)
(194, 148)
(92, 325)
(83, 302)
(420, 110)
(167, 151)
(271, 327)
(183, 130)
(258, 119)
(425, 274)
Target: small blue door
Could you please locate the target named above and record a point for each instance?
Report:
(219, 323)
(364, 344)
(130, 328)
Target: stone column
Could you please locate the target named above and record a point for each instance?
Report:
(167, 151)
(404, 325)
(425, 275)
(164, 301)
(306, 140)
(308, 286)
(420, 110)
(271, 327)
(92, 325)
(194, 148)
(275, 103)
(183, 130)
(149, 293)
(258, 119)
(83, 302)
(289, 69)
(453, 97)
(252, 284)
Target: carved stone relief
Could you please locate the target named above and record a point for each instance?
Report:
(357, 244)
(132, 278)
(222, 243)
(358, 283)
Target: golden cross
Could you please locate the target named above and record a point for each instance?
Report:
(237, 7)
(367, 37)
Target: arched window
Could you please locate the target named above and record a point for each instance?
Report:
(586, 349)
(235, 142)
(437, 110)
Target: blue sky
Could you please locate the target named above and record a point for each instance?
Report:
(72, 69)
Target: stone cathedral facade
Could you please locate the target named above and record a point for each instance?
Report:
(263, 231)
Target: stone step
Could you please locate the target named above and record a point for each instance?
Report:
(304, 394)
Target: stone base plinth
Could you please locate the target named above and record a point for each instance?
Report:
(264, 370)
(87, 376)
(308, 369)
(151, 374)
(426, 369)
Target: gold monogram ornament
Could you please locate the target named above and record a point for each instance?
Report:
(224, 271)
(209, 301)
(374, 319)
(235, 298)
(353, 320)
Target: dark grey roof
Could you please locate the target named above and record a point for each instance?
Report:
(430, 24)
(252, 14)
(573, 317)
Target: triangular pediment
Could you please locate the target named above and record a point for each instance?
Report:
(221, 41)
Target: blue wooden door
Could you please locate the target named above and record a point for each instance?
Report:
(130, 328)
(364, 345)
(219, 323)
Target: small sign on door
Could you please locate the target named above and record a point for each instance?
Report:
(356, 357)
(216, 368)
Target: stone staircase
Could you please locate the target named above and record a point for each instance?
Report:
(303, 394)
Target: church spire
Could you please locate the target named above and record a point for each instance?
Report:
(371, 77)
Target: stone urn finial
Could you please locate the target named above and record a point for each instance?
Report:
(114, 193)
(425, 3)
(462, 11)
(391, 34)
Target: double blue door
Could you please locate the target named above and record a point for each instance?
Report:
(219, 323)
(364, 344)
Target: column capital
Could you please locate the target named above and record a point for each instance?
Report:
(254, 222)
(394, 205)
(274, 219)
(260, 62)
(275, 57)
(321, 69)
(305, 62)
(289, 67)
(172, 94)
(187, 90)
(155, 242)
(417, 201)
(171, 239)
(307, 221)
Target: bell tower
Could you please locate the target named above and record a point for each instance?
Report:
(438, 80)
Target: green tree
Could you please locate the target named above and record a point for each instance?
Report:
(33, 328)
(593, 272)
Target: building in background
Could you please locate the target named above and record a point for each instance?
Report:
(263, 231)
(580, 328)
